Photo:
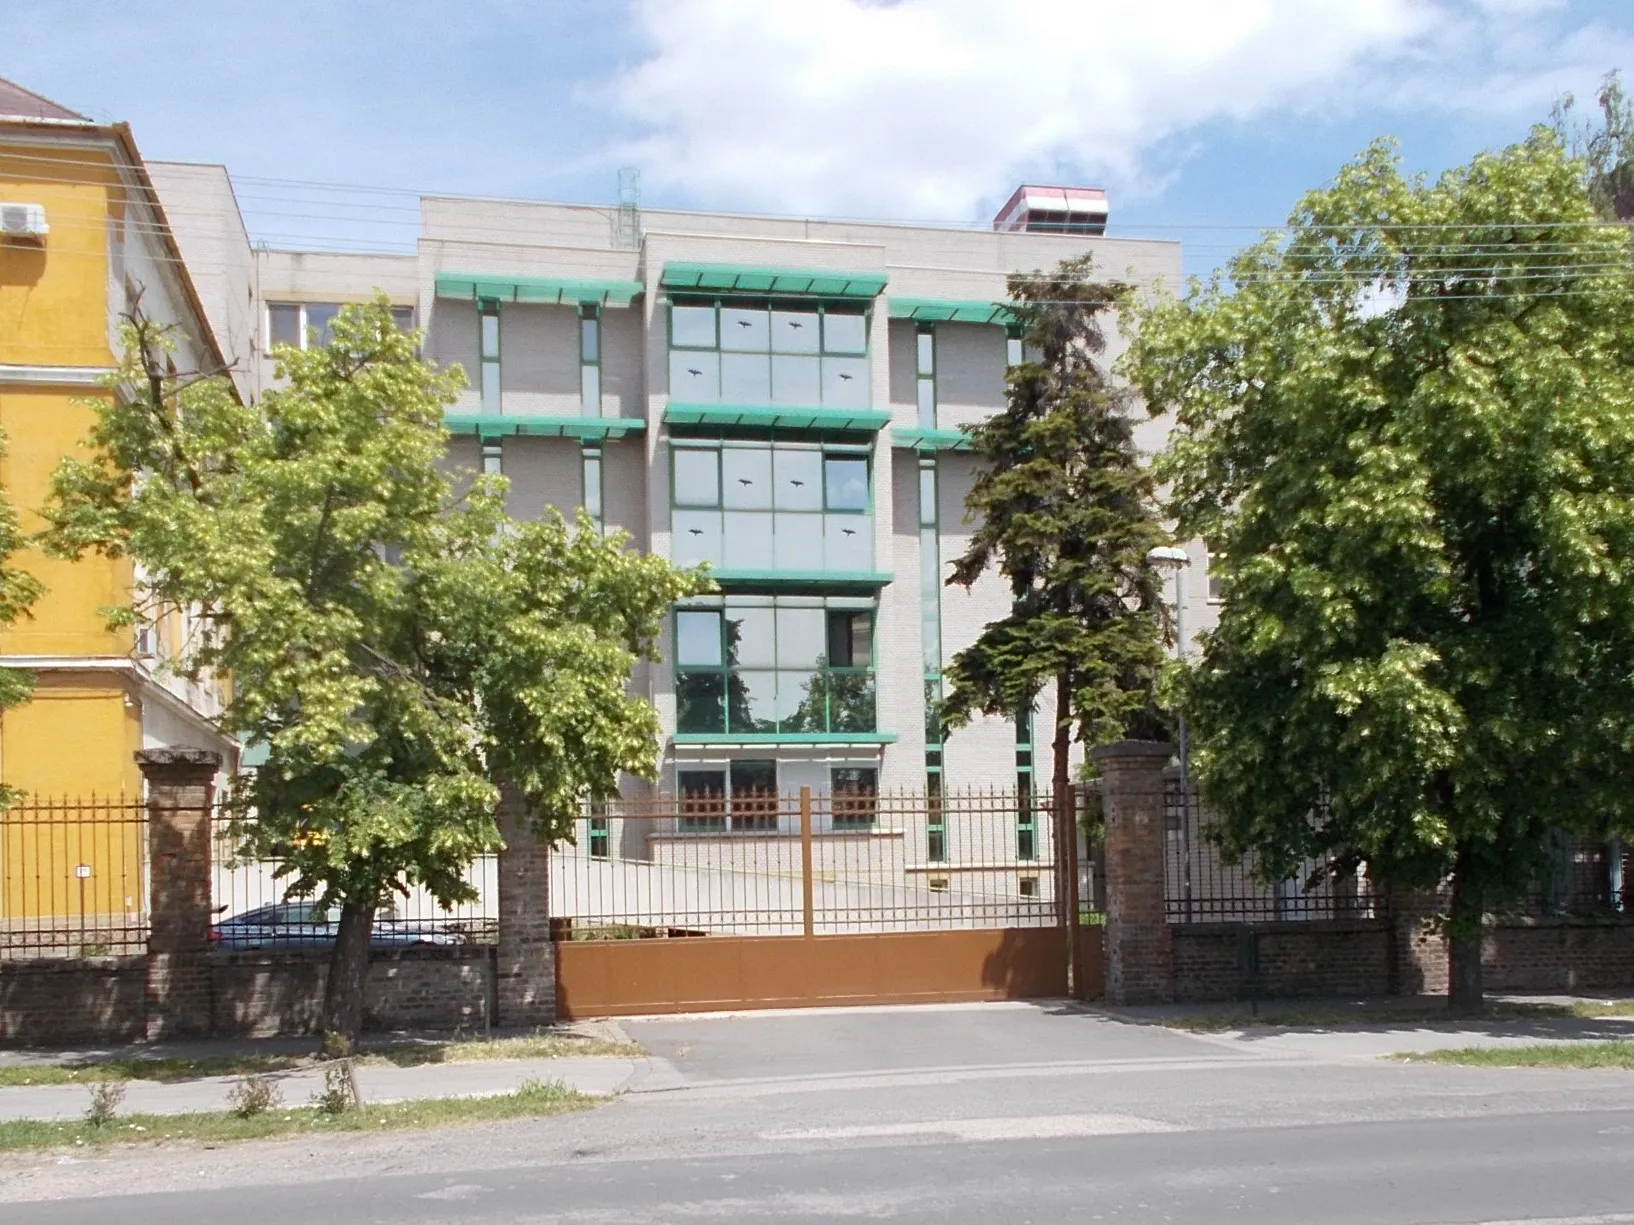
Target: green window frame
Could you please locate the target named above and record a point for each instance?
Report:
(590, 476)
(590, 398)
(924, 350)
(766, 665)
(778, 352)
(488, 347)
(771, 504)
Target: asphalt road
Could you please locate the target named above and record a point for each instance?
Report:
(945, 1115)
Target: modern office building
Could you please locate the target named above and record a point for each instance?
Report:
(779, 398)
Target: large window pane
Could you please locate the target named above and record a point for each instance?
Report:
(746, 478)
(744, 330)
(845, 483)
(925, 349)
(697, 477)
(700, 702)
(319, 316)
(799, 541)
(490, 387)
(850, 639)
(752, 637)
(795, 332)
(796, 380)
(799, 477)
(746, 378)
(800, 706)
(851, 702)
(694, 377)
(284, 323)
(845, 333)
(590, 339)
(848, 541)
(845, 382)
(747, 544)
(590, 390)
(751, 700)
(697, 537)
(802, 637)
(697, 638)
(692, 326)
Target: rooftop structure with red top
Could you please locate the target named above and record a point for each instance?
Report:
(1040, 209)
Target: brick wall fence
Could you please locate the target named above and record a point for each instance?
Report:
(183, 987)
(1401, 954)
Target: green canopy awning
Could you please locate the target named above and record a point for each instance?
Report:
(917, 439)
(805, 282)
(540, 290)
(766, 416)
(949, 310)
(495, 425)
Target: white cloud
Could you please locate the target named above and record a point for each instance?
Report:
(935, 108)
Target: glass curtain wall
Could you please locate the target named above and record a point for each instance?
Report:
(765, 505)
(775, 665)
(590, 360)
(756, 352)
(930, 625)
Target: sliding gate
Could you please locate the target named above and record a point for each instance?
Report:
(735, 902)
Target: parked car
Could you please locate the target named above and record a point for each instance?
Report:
(287, 925)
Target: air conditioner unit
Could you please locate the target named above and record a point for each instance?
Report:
(23, 221)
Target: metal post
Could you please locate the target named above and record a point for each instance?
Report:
(807, 914)
(1185, 760)
(1069, 854)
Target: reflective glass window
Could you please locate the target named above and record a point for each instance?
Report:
(845, 382)
(700, 702)
(799, 542)
(927, 404)
(696, 537)
(746, 378)
(751, 702)
(746, 477)
(319, 317)
(847, 541)
(925, 342)
(490, 386)
(801, 637)
(694, 377)
(752, 637)
(698, 637)
(850, 639)
(284, 323)
(590, 390)
(744, 330)
(747, 542)
(692, 327)
(799, 479)
(795, 331)
(796, 380)
(697, 477)
(592, 483)
(845, 483)
(590, 338)
(845, 333)
(490, 333)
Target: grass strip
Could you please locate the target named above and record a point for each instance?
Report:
(1615, 1054)
(399, 1054)
(534, 1099)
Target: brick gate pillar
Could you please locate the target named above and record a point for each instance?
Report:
(1139, 947)
(181, 792)
(525, 975)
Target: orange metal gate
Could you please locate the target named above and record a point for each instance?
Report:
(718, 903)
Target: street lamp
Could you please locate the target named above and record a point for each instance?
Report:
(1170, 558)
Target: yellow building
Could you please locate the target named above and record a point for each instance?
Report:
(82, 234)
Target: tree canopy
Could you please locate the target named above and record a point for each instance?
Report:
(398, 647)
(1405, 424)
(1064, 507)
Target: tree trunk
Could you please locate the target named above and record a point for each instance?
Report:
(348, 967)
(1465, 991)
(1060, 784)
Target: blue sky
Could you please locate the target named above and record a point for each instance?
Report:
(1201, 117)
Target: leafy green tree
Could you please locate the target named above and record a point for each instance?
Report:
(1064, 508)
(400, 649)
(1606, 148)
(1407, 424)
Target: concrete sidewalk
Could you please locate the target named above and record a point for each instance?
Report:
(379, 1084)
